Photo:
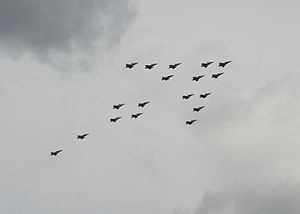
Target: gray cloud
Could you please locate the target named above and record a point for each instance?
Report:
(47, 28)
(282, 198)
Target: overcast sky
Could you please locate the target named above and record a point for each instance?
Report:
(63, 67)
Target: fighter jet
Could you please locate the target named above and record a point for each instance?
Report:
(167, 77)
(115, 119)
(215, 76)
(82, 136)
(185, 97)
(197, 109)
(197, 78)
(206, 64)
(136, 115)
(223, 64)
(131, 65)
(174, 65)
(56, 152)
(190, 122)
(204, 95)
(150, 66)
(118, 106)
(143, 104)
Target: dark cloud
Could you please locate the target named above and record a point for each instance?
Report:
(46, 28)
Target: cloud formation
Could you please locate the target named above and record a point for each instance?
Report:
(46, 28)
(259, 199)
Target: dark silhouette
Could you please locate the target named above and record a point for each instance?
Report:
(197, 109)
(143, 104)
(115, 119)
(118, 106)
(131, 65)
(223, 64)
(174, 65)
(56, 152)
(136, 115)
(215, 76)
(150, 66)
(197, 78)
(206, 64)
(204, 95)
(82, 136)
(190, 122)
(167, 77)
(185, 97)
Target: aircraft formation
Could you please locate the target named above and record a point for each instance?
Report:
(143, 104)
(80, 137)
(167, 78)
(134, 116)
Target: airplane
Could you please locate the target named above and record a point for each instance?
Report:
(197, 78)
(216, 75)
(204, 95)
(198, 108)
(150, 66)
(167, 77)
(223, 64)
(190, 122)
(118, 106)
(206, 64)
(82, 136)
(174, 65)
(115, 119)
(143, 104)
(136, 115)
(131, 65)
(56, 152)
(185, 97)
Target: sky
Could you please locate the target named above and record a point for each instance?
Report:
(63, 68)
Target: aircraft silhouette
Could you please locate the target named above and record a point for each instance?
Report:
(115, 119)
(198, 108)
(190, 122)
(216, 75)
(143, 104)
(185, 97)
(136, 115)
(223, 64)
(204, 95)
(131, 65)
(206, 64)
(197, 78)
(118, 106)
(174, 65)
(82, 136)
(56, 152)
(150, 66)
(167, 77)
